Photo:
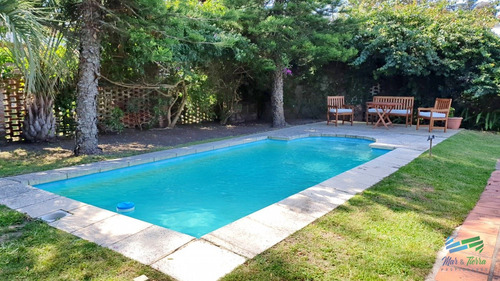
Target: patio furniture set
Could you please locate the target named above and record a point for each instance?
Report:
(384, 107)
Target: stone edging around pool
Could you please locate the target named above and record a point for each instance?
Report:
(215, 254)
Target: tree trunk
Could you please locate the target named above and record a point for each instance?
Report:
(39, 122)
(88, 75)
(181, 107)
(277, 98)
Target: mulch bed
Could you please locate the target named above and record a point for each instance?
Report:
(137, 140)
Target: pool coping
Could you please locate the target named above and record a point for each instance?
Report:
(217, 253)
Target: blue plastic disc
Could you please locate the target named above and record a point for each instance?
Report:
(125, 206)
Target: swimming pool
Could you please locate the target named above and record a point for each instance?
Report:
(199, 193)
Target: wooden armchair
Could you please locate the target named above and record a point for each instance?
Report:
(336, 108)
(439, 112)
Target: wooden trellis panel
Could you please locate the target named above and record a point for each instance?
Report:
(134, 102)
(194, 117)
(14, 108)
(141, 103)
(137, 104)
(2, 119)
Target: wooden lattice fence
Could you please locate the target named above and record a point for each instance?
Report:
(13, 101)
(137, 105)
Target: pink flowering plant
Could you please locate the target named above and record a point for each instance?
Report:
(287, 71)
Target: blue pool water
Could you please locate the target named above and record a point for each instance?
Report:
(199, 193)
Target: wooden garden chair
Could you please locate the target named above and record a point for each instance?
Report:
(337, 108)
(439, 112)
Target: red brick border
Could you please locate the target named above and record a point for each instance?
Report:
(483, 221)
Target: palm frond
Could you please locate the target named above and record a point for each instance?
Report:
(24, 28)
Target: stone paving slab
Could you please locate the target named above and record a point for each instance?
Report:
(199, 261)
(389, 162)
(39, 178)
(303, 204)
(31, 197)
(111, 230)
(183, 151)
(345, 183)
(12, 188)
(161, 155)
(151, 244)
(327, 196)
(139, 159)
(80, 170)
(4, 182)
(112, 165)
(352, 181)
(204, 147)
(49, 206)
(281, 218)
(375, 169)
(246, 237)
(82, 217)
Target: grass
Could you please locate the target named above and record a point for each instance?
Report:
(390, 232)
(33, 250)
(393, 230)
(22, 161)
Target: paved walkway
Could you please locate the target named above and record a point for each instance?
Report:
(483, 221)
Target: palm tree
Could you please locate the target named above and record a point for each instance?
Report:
(33, 46)
(23, 34)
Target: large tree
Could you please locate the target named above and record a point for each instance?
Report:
(290, 32)
(88, 78)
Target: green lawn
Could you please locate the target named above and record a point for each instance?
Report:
(393, 230)
(390, 232)
(33, 250)
(22, 161)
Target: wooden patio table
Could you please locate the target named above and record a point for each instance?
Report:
(383, 109)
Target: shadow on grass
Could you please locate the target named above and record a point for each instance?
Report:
(45, 253)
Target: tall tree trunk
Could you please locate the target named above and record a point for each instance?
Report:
(277, 98)
(88, 75)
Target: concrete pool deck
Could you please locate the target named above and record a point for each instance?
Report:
(215, 254)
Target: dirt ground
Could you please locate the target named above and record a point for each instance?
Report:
(137, 140)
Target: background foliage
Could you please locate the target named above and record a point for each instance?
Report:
(225, 52)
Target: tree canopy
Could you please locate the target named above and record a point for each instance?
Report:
(287, 53)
